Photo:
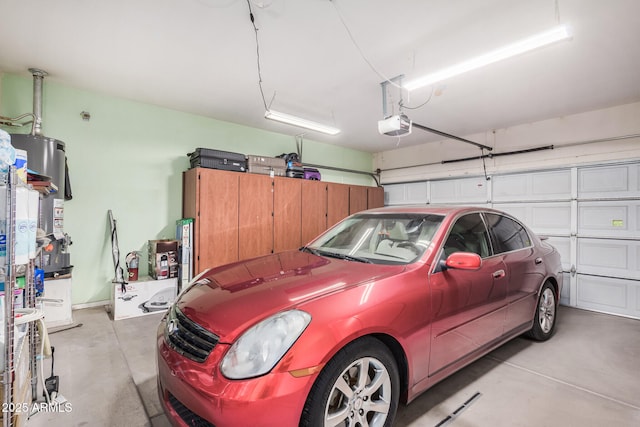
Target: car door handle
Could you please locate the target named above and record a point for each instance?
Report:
(498, 274)
(538, 261)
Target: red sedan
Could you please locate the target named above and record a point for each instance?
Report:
(372, 313)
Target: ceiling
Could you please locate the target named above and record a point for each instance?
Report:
(325, 59)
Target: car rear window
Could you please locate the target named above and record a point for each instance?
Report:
(507, 235)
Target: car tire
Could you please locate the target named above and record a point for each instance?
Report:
(345, 395)
(544, 322)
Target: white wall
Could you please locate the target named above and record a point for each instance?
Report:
(565, 133)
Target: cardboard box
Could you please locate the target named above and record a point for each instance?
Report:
(164, 266)
(57, 302)
(164, 245)
(145, 296)
(163, 259)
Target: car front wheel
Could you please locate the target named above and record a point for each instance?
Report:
(358, 387)
(545, 319)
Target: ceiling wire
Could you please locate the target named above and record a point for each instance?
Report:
(484, 166)
(273, 98)
(359, 49)
(255, 29)
(421, 105)
(375, 70)
(483, 156)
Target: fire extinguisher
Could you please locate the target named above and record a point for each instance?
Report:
(132, 260)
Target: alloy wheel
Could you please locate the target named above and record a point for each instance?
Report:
(361, 395)
(547, 310)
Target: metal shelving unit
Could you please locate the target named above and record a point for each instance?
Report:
(9, 286)
(10, 407)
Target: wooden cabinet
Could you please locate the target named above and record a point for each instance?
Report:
(241, 215)
(314, 209)
(375, 197)
(337, 203)
(211, 198)
(357, 199)
(255, 216)
(287, 214)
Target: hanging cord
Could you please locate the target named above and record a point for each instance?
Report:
(370, 64)
(557, 10)
(357, 46)
(421, 105)
(28, 315)
(484, 165)
(255, 29)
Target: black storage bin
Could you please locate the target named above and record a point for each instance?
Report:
(218, 159)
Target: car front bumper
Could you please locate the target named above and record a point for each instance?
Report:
(194, 393)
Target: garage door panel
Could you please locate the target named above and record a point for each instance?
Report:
(608, 182)
(405, 194)
(471, 190)
(603, 256)
(551, 218)
(509, 187)
(551, 185)
(609, 219)
(443, 191)
(417, 193)
(602, 291)
(542, 218)
(517, 210)
(609, 295)
(617, 258)
(394, 194)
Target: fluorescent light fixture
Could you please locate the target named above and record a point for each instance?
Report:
(300, 122)
(539, 40)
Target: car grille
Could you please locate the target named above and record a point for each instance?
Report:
(190, 418)
(188, 338)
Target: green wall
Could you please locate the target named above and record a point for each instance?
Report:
(129, 158)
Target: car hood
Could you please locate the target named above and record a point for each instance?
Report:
(229, 299)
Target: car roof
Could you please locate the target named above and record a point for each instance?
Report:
(437, 210)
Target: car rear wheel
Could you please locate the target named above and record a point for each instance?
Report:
(357, 388)
(545, 319)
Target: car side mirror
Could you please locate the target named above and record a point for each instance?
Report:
(463, 261)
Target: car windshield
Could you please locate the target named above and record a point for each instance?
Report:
(389, 238)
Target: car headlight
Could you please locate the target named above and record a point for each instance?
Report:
(258, 350)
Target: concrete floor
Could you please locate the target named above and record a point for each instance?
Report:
(588, 374)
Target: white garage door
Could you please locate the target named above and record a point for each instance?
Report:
(608, 253)
(591, 214)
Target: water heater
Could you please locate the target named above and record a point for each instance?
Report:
(46, 156)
